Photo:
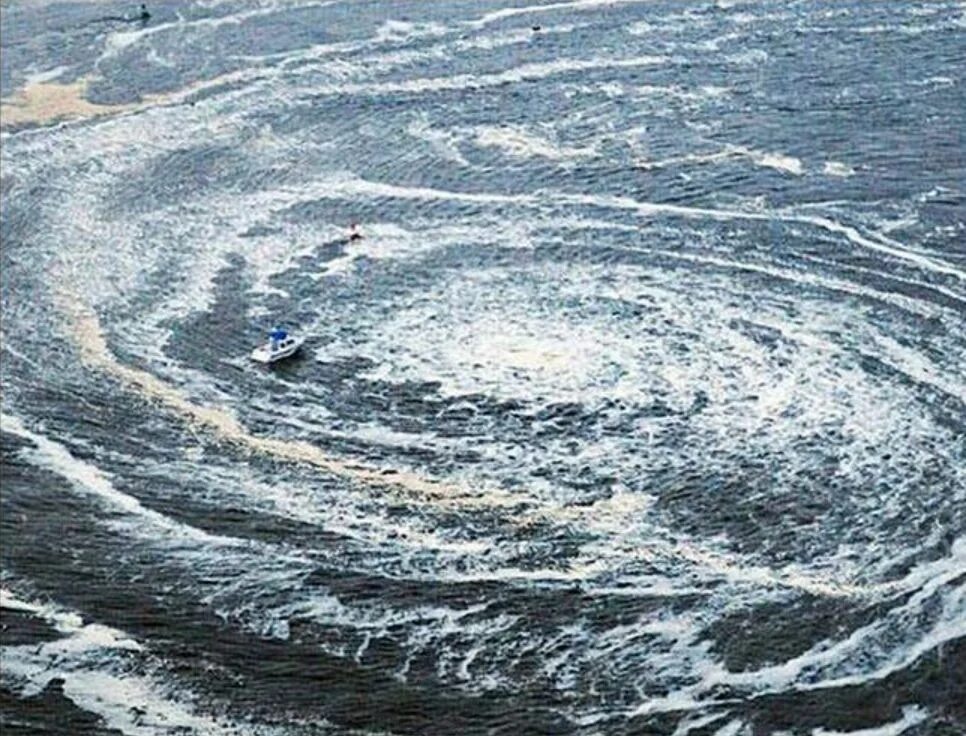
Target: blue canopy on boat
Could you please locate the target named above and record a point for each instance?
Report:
(278, 334)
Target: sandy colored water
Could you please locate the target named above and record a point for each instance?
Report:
(44, 102)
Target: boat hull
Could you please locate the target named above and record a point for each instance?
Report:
(264, 353)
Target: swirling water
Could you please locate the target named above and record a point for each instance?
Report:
(639, 408)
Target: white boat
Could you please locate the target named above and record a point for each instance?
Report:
(280, 345)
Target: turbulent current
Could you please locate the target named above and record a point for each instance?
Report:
(638, 409)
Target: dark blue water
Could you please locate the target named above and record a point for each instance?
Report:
(638, 409)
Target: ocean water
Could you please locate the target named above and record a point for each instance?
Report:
(640, 407)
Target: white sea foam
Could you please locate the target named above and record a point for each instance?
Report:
(93, 662)
(877, 243)
(749, 57)
(747, 576)
(131, 703)
(837, 168)
(571, 5)
(778, 161)
(640, 28)
(689, 724)
(398, 30)
(86, 330)
(772, 340)
(64, 621)
(442, 141)
(346, 184)
(79, 640)
(87, 478)
(522, 73)
(911, 716)
(48, 75)
(503, 363)
(525, 143)
(118, 41)
(696, 94)
(869, 653)
(736, 727)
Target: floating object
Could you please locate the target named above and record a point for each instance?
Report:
(354, 233)
(280, 345)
